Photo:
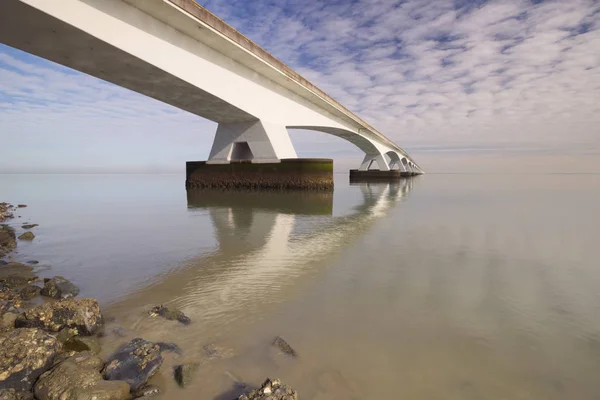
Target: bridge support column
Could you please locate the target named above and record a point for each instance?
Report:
(255, 141)
(386, 162)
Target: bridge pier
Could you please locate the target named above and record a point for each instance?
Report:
(392, 166)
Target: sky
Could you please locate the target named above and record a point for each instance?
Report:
(462, 85)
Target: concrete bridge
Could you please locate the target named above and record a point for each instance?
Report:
(177, 52)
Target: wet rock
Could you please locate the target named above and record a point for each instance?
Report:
(11, 394)
(82, 343)
(8, 320)
(14, 275)
(170, 347)
(134, 363)
(119, 332)
(83, 315)
(29, 292)
(79, 378)
(2, 262)
(27, 236)
(6, 211)
(172, 315)
(32, 262)
(271, 390)
(29, 226)
(8, 240)
(146, 391)
(214, 352)
(59, 288)
(184, 373)
(21, 205)
(24, 355)
(284, 347)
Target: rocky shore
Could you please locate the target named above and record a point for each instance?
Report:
(49, 340)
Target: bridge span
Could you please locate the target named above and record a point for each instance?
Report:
(177, 52)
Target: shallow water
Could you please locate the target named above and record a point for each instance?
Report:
(439, 287)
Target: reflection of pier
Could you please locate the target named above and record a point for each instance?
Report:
(264, 248)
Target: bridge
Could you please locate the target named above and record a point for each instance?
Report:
(177, 52)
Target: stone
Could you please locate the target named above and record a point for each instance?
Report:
(29, 292)
(11, 394)
(8, 240)
(2, 262)
(82, 343)
(59, 288)
(79, 378)
(172, 315)
(29, 226)
(83, 315)
(212, 351)
(6, 211)
(184, 373)
(32, 262)
(27, 236)
(24, 355)
(8, 320)
(15, 275)
(170, 347)
(134, 362)
(271, 390)
(146, 391)
(284, 347)
(21, 205)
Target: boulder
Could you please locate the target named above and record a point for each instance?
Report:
(29, 226)
(82, 343)
(271, 390)
(79, 378)
(134, 362)
(29, 292)
(21, 205)
(284, 347)
(184, 373)
(172, 315)
(12, 394)
(82, 315)
(27, 236)
(145, 392)
(59, 288)
(24, 355)
(8, 240)
(15, 274)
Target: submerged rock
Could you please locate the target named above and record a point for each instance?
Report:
(32, 262)
(29, 226)
(172, 315)
(135, 362)
(271, 390)
(284, 347)
(145, 392)
(24, 355)
(169, 346)
(82, 343)
(27, 236)
(29, 292)
(79, 378)
(8, 240)
(14, 275)
(21, 205)
(82, 315)
(59, 288)
(184, 373)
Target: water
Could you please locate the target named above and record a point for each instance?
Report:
(440, 287)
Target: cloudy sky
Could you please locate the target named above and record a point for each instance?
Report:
(463, 85)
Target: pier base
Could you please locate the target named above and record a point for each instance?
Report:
(290, 173)
(357, 176)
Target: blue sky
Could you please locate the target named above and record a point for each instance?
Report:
(462, 85)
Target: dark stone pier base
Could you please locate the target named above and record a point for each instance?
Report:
(376, 175)
(291, 173)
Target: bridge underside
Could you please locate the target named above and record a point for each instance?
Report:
(253, 112)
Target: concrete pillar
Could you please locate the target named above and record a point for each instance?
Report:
(255, 141)
(374, 158)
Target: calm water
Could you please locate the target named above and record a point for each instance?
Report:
(440, 287)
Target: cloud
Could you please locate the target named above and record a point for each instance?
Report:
(507, 74)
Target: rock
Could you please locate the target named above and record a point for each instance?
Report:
(82, 343)
(33, 262)
(29, 226)
(2, 262)
(214, 352)
(284, 347)
(29, 292)
(169, 346)
(184, 373)
(8, 240)
(172, 315)
(59, 288)
(11, 394)
(6, 211)
(8, 320)
(21, 205)
(24, 355)
(135, 362)
(15, 275)
(146, 391)
(78, 378)
(82, 315)
(271, 390)
(27, 236)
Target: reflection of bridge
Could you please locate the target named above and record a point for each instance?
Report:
(177, 52)
(263, 250)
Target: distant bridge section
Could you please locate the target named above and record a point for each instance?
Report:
(177, 52)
